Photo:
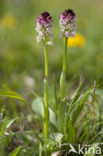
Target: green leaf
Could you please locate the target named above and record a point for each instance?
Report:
(52, 117)
(15, 95)
(69, 129)
(80, 106)
(63, 109)
(16, 151)
(10, 123)
(11, 94)
(4, 139)
(77, 93)
(75, 96)
(37, 107)
(3, 126)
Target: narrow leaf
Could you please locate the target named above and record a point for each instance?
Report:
(80, 106)
(16, 151)
(11, 94)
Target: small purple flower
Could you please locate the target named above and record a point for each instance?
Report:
(67, 23)
(44, 28)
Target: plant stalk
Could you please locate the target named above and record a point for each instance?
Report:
(62, 85)
(55, 94)
(63, 74)
(46, 111)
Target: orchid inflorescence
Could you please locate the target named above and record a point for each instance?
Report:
(44, 28)
(45, 25)
(67, 23)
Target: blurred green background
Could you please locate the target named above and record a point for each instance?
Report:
(21, 57)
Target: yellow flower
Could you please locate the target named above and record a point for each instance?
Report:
(77, 41)
(9, 21)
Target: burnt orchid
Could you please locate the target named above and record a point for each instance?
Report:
(44, 28)
(68, 29)
(67, 23)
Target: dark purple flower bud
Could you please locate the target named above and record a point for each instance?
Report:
(44, 27)
(70, 14)
(67, 23)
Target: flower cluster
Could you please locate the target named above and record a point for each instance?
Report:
(67, 23)
(44, 28)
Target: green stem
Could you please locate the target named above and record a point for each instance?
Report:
(46, 61)
(62, 85)
(65, 55)
(46, 111)
(63, 74)
(55, 94)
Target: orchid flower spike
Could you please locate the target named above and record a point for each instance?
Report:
(67, 23)
(44, 28)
